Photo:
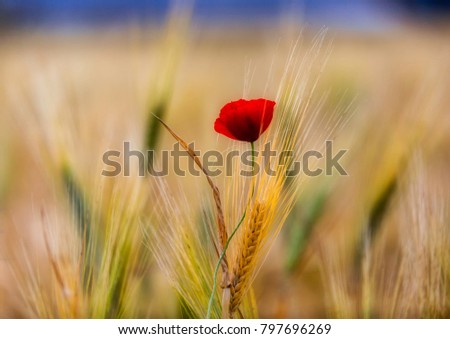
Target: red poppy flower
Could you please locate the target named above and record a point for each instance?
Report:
(245, 120)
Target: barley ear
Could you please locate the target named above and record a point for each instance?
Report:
(246, 258)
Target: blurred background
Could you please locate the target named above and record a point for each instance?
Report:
(362, 14)
(78, 77)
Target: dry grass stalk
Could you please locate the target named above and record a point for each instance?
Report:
(242, 272)
(222, 231)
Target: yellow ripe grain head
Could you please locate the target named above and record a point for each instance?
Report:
(268, 197)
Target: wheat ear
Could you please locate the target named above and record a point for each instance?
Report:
(246, 258)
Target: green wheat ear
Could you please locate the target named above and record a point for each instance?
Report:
(376, 215)
(153, 129)
(161, 93)
(77, 202)
(302, 221)
(81, 214)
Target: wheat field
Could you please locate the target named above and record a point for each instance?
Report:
(370, 244)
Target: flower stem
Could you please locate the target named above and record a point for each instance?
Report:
(253, 158)
(222, 255)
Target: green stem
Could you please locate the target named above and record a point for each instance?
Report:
(216, 271)
(253, 158)
(222, 255)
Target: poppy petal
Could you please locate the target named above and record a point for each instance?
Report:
(221, 127)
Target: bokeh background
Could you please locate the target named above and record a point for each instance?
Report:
(348, 13)
(80, 77)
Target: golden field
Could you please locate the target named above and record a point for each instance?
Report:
(374, 243)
